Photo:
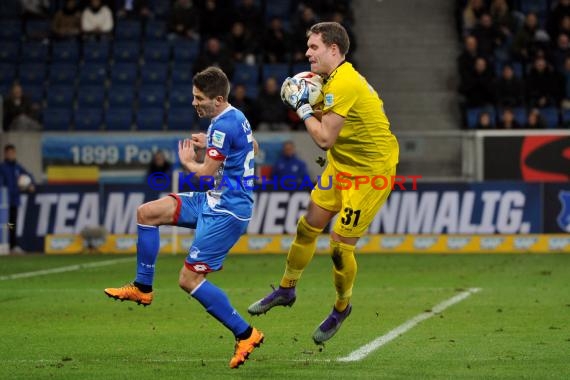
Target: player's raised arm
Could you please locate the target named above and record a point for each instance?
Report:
(187, 156)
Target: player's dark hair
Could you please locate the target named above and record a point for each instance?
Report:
(9, 147)
(212, 82)
(332, 33)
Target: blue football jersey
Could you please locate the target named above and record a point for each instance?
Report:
(230, 140)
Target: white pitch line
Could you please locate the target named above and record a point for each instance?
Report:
(69, 268)
(367, 349)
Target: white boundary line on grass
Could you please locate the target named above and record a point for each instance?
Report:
(69, 268)
(367, 349)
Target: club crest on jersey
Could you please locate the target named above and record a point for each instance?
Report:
(563, 218)
(218, 138)
(329, 100)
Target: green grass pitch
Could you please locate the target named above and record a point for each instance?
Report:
(62, 326)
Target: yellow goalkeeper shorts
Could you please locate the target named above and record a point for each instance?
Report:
(357, 198)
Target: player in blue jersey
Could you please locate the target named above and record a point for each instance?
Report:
(220, 216)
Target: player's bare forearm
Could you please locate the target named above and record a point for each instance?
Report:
(326, 130)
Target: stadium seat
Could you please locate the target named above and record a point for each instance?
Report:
(91, 96)
(58, 119)
(473, 116)
(550, 116)
(246, 74)
(96, 51)
(60, 96)
(65, 51)
(10, 30)
(518, 68)
(7, 73)
(566, 118)
(150, 119)
(120, 95)
(180, 96)
(9, 52)
(92, 74)
(62, 73)
(181, 119)
(279, 71)
(300, 67)
(126, 51)
(119, 119)
(37, 29)
(130, 30)
(280, 9)
(32, 73)
(151, 96)
(155, 30)
(252, 91)
(124, 73)
(520, 115)
(184, 51)
(88, 119)
(35, 93)
(182, 73)
(161, 8)
(156, 51)
(33, 51)
(154, 73)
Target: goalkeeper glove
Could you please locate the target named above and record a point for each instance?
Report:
(295, 94)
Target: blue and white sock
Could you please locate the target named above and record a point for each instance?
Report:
(148, 244)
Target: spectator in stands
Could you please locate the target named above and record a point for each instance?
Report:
(35, 9)
(19, 111)
(250, 15)
(289, 166)
(560, 52)
(159, 164)
(529, 39)
(137, 9)
(466, 59)
(534, 120)
(241, 44)
(303, 20)
(555, 19)
(478, 86)
(276, 42)
(97, 20)
(271, 111)
(503, 18)
(543, 87)
(240, 100)
(214, 55)
(67, 21)
(10, 173)
(215, 18)
(484, 121)
(341, 18)
(565, 104)
(507, 120)
(510, 90)
(471, 14)
(184, 20)
(487, 35)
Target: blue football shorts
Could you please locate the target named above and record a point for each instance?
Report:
(216, 232)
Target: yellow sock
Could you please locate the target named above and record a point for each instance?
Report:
(300, 253)
(344, 272)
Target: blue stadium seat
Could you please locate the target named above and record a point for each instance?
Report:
(119, 118)
(10, 30)
(161, 8)
(37, 29)
(65, 51)
(300, 67)
(35, 92)
(56, 119)
(32, 73)
(92, 74)
(60, 96)
(121, 95)
(181, 96)
(33, 51)
(246, 74)
(125, 73)
(154, 73)
(96, 51)
(550, 116)
(7, 73)
(128, 30)
(91, 96)
(9, 52)
(150, 119)
(473, 116)
(279, 71)
(62, 73)
(156, 51)
(518, 68)
(126, 51)
(182, 73)
(155, 30)
(185, 51)
(280, 9)
(520, 115)
(88, 119)
(181, 119)
(566, 118)
(252, 91)
(151, 96)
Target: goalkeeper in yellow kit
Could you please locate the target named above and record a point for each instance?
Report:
(355, 132)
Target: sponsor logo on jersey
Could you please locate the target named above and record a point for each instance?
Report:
(218, 138)
(329, 100)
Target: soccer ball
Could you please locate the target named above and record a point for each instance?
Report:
(24, 181)
(314, 83)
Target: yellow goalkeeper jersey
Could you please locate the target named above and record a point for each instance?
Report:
(365, 144)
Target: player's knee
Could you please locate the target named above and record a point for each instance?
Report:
(341, 253)
(188, 280)
(143, 214)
